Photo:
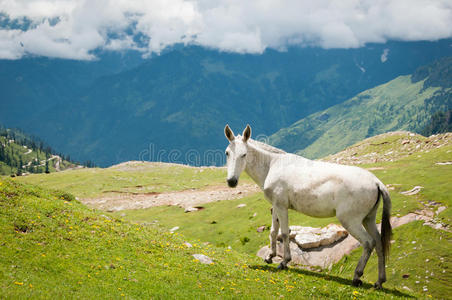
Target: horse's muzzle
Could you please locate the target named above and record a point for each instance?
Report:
(232, 182)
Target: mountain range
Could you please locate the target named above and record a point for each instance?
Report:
(173, 107)
(404, 103)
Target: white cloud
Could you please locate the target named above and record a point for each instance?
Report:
(228, 25)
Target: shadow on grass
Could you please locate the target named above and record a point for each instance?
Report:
(340, 280)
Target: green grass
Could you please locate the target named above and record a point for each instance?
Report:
(54, 247)
(422, 253)
(139, 178)
(222, 223)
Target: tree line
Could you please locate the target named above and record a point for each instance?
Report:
(12, 142)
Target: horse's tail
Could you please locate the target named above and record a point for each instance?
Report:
(386, 229)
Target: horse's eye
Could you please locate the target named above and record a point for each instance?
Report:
(227, 153)
(244, 155)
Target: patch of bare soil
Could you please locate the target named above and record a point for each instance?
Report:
(185, 199)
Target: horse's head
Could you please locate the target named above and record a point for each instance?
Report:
(236, 154)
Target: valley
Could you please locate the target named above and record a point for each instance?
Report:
(122, 107)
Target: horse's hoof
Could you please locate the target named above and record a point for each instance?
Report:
(357, 282)
(378, 285)
(269, 260)
(282, 266)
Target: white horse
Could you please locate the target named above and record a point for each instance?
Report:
(317, 189)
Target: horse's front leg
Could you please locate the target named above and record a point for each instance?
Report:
(283, 218)
(273, 237)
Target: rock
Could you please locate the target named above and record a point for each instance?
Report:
(438, 226)
(241, 205)
(188, 245)
(261, 228)
(413, 191)
(444, 163)
(309, 237)
(190, 209)
(204, 259)
(406, 288)
(174, 228)
(440, 209)
(405, 276)
(307, 240)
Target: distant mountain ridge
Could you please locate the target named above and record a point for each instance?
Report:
(173, 107)
(405, 103)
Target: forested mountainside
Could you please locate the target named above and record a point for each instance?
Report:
(21, 154)
(419, 102)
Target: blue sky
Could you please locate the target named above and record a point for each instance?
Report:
(75, 29)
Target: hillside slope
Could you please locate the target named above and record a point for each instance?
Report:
(405, 103)
(57, 248)
(22, 155)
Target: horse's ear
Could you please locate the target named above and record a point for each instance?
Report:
(228, 133)
(246, 133)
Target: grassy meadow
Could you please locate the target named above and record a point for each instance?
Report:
(137, 177)
(52, 246)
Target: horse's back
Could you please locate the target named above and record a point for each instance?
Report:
(319, 189)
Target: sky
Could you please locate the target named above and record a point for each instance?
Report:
(77, 29)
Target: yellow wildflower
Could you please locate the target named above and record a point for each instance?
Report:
(18, 283)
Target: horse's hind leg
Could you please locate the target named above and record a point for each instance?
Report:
(273, 236)
(356, 229)
(371, 227)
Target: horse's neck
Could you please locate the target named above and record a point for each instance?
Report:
(258, 163)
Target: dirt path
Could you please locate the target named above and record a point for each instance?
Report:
(185, 199)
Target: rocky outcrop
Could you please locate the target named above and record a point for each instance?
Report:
(315, 246)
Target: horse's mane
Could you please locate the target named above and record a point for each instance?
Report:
(266, 147)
